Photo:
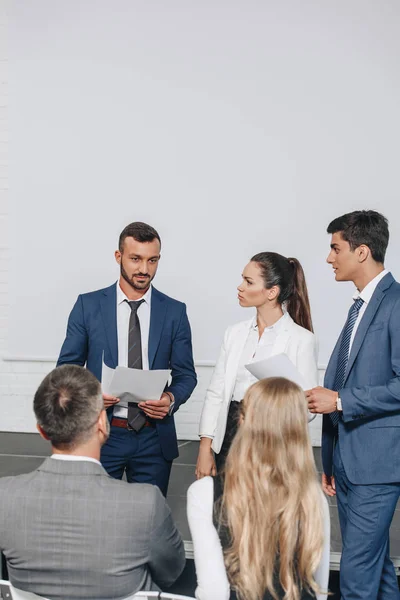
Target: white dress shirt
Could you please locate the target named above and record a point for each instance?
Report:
(75, 458)
(123, 316)
(254, 350)
(365, 295)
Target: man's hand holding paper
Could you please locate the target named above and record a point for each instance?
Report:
(110, 400)
(124, 385)
(156, 409)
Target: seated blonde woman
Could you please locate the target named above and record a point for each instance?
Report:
(267, 538)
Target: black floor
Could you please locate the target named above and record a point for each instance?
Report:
(24, 452)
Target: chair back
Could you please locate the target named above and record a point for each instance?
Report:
(9, 592)
(160, 596)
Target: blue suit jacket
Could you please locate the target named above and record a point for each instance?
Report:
(92, 331)
(369, 431)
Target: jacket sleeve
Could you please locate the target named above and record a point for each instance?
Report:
(307, 365)
(307, 361)
(184, 378)
(75, 347)
(212, 581)
(214, 395)
(166, 558)
(377, 400)
(322, 574)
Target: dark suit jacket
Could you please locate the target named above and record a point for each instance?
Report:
(70, 531)
(369, 430)
(92, 332)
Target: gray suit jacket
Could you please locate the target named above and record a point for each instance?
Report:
(70, 531)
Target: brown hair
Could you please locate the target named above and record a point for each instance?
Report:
(288, 275)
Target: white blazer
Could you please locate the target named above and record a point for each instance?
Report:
(298, 343)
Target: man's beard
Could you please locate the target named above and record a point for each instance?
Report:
(138, 286)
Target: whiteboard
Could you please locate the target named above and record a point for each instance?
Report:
(231, 127)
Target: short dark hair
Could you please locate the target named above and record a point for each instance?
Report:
(67, 404)
(363, 227)
(141, 232)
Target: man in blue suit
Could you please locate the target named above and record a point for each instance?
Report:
(361, 408)
(132, 324)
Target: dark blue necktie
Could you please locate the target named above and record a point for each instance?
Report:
(343, 357)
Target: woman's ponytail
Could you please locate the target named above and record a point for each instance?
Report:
(288, 274)
(298, 303)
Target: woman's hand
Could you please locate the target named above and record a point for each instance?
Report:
(205, 460)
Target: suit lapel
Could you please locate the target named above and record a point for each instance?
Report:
(367, 318)
(282, 337)
(235, 353)
(332, 364)
(108, 307)
(362, 329)
(157, 318)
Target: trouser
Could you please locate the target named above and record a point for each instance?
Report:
(230, 432)
(365, 515)
(138, 454)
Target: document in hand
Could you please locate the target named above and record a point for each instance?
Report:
(279, 365)
(140, 384)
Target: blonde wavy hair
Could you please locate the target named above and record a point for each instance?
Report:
(271, 502)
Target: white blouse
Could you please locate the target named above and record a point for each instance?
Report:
(256, 348)
(212, 581)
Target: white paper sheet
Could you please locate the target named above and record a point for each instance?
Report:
(279, 365)
(142, 384)
(106, 377)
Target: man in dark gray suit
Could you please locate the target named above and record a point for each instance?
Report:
(68, 530)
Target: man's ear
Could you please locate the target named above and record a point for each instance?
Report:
(363, 253)
(118, 256)
(42, 433)
(102, 422)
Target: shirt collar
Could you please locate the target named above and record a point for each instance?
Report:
(276, 326)
(369, 289)
(74, 457)
(121, 297)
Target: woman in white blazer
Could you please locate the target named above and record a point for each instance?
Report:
(276, 287)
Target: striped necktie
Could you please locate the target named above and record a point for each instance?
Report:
(343, 357)
(136, 417)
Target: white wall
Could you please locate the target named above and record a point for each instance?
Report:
(232, 127)
(19, 379)
(337, 151)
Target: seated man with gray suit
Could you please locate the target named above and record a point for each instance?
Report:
(68, 530)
